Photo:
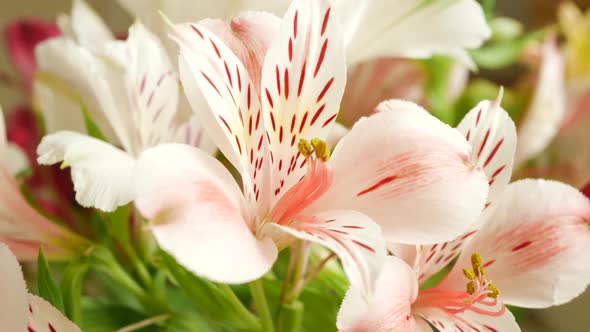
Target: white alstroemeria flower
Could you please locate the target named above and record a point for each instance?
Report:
(371, 28)
(136, 91)
(21, 226)
(21, 311)
(532, 251)
(391, 168)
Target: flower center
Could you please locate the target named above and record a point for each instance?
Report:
(481, 296)
(310, 188)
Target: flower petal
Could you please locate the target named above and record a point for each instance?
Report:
(86, 26)
(196, 209)
(492, 135)
(248, 35)
(45, 318)
(410, 176)
(303, 80)
(60, 110)
(389, 305)
(469, 321)
(380, 28)
(371, 82)
(352, 236)
(234, 119)
(535, 244)
(13, 302)
(103, 175)
(547, 110)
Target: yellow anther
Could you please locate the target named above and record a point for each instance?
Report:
(322, 151)
(494, 292)
(468, 273)
(304, 147)
(470, 288)
(476, 263)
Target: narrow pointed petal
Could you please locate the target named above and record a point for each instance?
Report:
(86, 27)
(468, 321)
(535, 244)
(234, 119)
(352, 236)
(547, 109)
(44, 317)
(197, 213)
(13, 302)
(492, 136)
(303, 80)
(248, 35)
(60, 110)
(103, 175)
(388, 307)
(371, 82)
(411, 176)
(380, 28)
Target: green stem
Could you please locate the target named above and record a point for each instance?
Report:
(239, 307)
(138, 265)
(261, 303)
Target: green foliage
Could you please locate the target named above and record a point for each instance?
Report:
(71, 288)
(46, 284)
(503, 53)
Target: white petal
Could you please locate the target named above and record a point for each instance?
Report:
(103, 175)
(15, 159)
(468, 321)
(352, 236)
(492, 136)
(547, 110)
(407, 171)
(303, 80)
(234, 119)
(409, 28)
(387, 308)
(197, 214)
(535, 245)
(45, 318)
(13, 302)
(60, 110)
(89, 29)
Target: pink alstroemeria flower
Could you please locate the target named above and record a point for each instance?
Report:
(391, 168)
(21, 311)
(22, 36)
(533, 248)
(533, 237)
(21, 227)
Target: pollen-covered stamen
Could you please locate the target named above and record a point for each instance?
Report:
(310, 188)
(480, 296)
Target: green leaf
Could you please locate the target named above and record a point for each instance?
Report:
(71, 287)
(117, 223)
(217, 303)
(91, 127)
(100, 315)
(438, 69)
(505, 53)
(46, 285)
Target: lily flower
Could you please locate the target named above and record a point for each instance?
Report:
(273, 133)
(22, 311)
(136, 91)
(21, 227)
(532, 252)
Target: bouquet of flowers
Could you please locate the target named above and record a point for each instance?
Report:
(305, 165)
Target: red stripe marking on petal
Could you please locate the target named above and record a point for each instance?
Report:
(301, 79)
(269, 98)
(290, 49)
(493, 153)
(239, 78)
(377, 185)
(483, 144)
(228, 74)
(295, 23)
(303, 122)
(211, 82)
(325, 22)
(330, 119)
(286, 83)
(325, 89)
(51, 328)
(215, 48)
(317, 114)
(522, 245)
(478, 117)
(249, 97)
(278, 79)
(500, 169)
(321, 58)
(272, 121)
(364, 246)
(225, 123)
(197, 31)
